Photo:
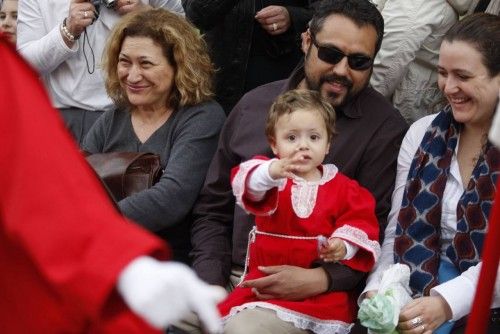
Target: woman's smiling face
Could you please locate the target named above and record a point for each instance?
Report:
(145, 74)
(465, 81)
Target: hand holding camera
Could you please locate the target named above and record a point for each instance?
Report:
(81, 14)
(122, 7)
(105, 3)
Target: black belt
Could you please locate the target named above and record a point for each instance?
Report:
(495, 315)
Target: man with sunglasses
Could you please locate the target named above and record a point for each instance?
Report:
(339, 46)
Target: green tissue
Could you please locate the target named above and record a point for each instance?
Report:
(379, 314)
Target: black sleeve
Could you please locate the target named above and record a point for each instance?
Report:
(377, 170)
(340, 277)
(207, 13)
(299, 17)
(213, 213)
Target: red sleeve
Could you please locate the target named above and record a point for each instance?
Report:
(357, 224)
(239, 179)
(52, 208)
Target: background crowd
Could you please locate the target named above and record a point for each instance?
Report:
(411, 86)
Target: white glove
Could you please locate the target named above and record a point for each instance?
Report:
(165, 292)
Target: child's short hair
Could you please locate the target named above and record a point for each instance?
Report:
(303, 99)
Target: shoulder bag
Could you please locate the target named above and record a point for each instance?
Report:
(126, 173)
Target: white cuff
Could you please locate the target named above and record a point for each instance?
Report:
(260, 181)
(458, 293)
(351, 250)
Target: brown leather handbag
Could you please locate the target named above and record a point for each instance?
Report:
(126, 173)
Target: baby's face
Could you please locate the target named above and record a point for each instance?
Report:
(302, 131)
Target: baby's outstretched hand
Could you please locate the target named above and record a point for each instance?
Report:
(334, 251)
(286, 167)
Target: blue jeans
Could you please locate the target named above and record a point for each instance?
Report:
(446, 272)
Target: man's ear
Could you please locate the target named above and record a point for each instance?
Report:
(306, 41)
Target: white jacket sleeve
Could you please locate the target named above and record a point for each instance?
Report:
(461, 303)
(260, 182)
(172, 5)
(39, 39)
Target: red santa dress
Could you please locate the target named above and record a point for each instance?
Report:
(288, 222)
(62, 243)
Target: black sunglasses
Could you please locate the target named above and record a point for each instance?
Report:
(332, 55)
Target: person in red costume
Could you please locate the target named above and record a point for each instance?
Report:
(70, 262)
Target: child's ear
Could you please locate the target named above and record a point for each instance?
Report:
(272, 143)
(327, 148)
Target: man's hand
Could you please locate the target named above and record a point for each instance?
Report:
(123, 7)
(288, 283)
(274, 19)
(165, 292)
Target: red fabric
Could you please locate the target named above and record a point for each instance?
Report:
(339, 202)
(479, 317)
(62, 244)
(270, 200)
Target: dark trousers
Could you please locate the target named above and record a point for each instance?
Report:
(79, 121)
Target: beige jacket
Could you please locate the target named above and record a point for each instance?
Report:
(405, 67)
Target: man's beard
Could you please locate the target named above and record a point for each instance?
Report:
(332, 97)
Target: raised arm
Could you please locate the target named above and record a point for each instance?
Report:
(40, 39)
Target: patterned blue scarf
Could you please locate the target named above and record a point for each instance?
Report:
(418, 231)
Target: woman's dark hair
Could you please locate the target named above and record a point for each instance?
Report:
(361, 12)
(482, 31)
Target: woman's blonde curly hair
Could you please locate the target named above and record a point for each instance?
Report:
(182, 44)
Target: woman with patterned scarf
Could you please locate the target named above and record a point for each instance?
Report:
(446, 182)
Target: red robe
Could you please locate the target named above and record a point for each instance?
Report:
(335, 206)
(62, 244)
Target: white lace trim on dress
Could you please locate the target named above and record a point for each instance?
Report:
(304, 192)
(359, 238)
(299, 320)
